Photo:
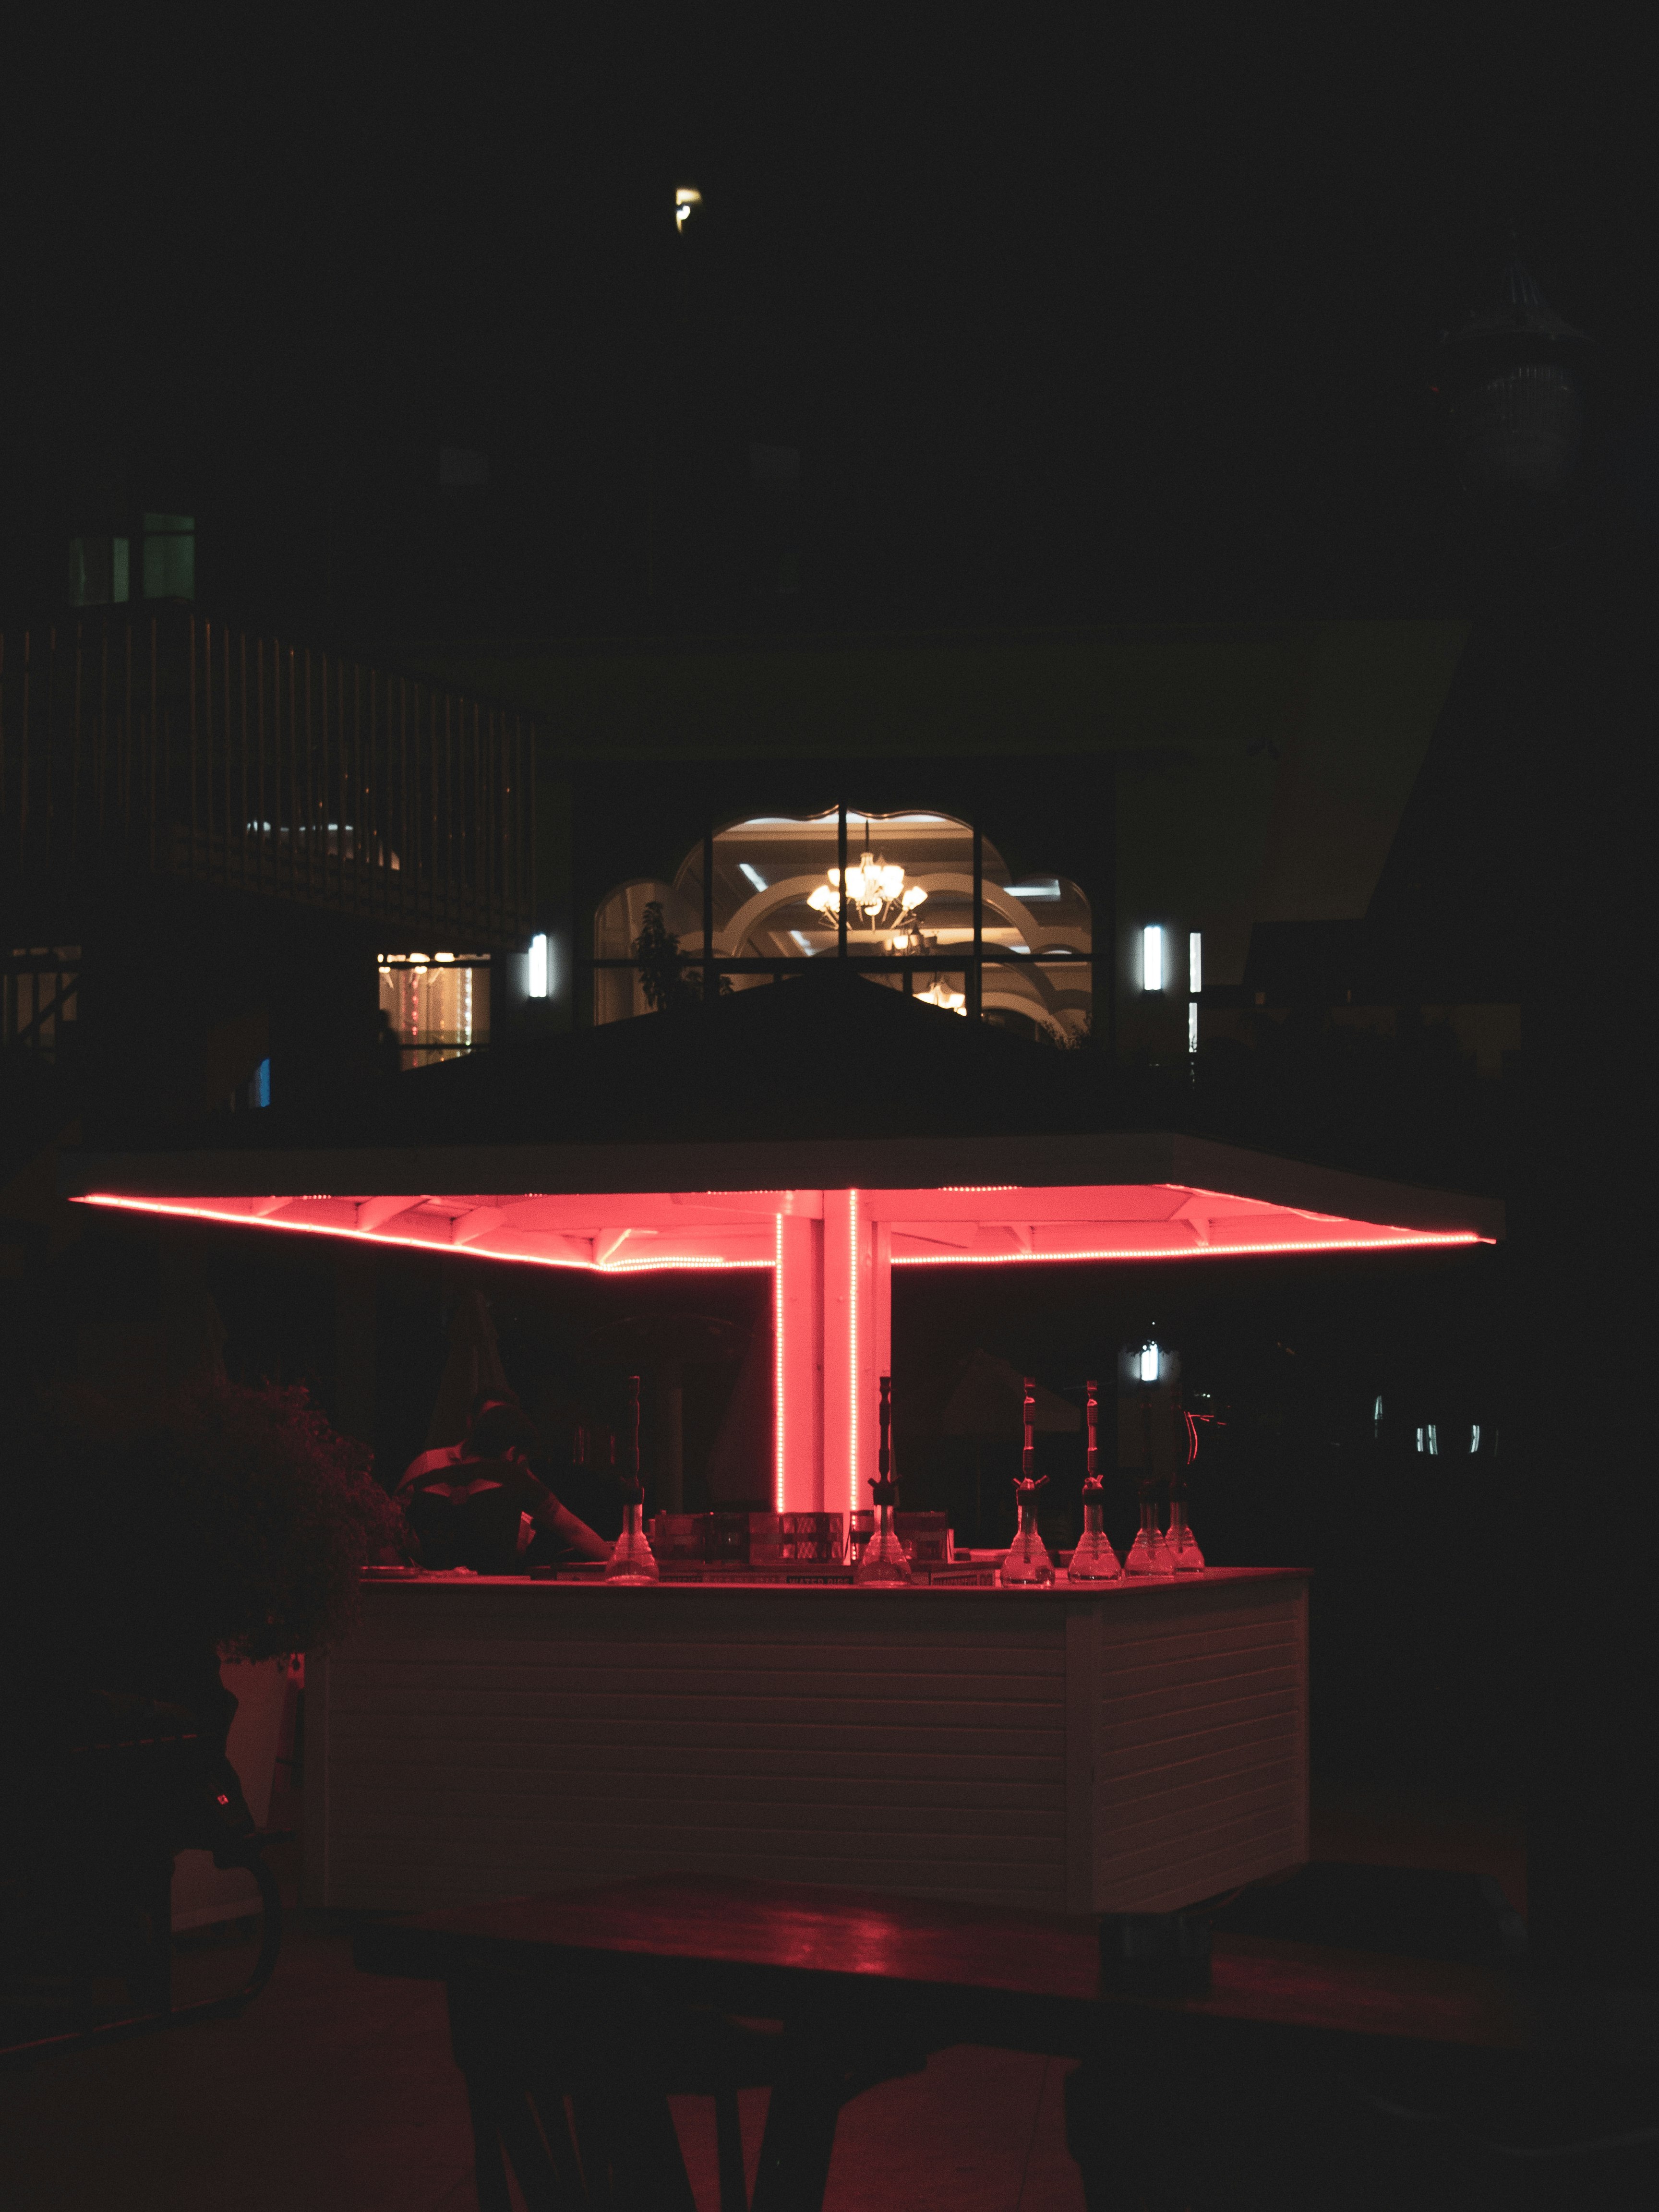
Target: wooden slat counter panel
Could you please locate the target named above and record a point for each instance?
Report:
(1202, 1751)
(485, 1740)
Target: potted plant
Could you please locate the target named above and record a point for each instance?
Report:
(150, 1538)
(146, 1541)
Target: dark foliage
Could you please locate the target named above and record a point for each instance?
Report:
(214, 1518)
(666, 979)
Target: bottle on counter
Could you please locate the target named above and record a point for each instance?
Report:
(633, 1560)
(1094, 1560)
(883, 1559)
(1027, 1565)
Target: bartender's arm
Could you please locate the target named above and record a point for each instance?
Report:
(558, 1521)
(561, 1524)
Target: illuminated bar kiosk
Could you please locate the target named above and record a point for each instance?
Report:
(1133, 1744)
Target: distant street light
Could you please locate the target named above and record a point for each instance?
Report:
(1152, 958)
(686, 197)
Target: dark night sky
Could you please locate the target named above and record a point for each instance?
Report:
(1066, 324)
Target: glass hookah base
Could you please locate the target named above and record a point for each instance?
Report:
(631, 1563)
(1148, 1558)
(883, 1561)
(1095, 1562)
(1026, 1570)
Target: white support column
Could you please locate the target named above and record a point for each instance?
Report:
(857, 1345)
(848, 1352)
(839, 1312)
(798, 1349)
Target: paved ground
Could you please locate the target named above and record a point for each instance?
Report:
(335, 2091)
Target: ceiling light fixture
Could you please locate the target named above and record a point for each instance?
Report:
(875, 888)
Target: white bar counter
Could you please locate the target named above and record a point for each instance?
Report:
(1134, 1748)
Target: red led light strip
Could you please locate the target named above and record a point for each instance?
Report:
(1392, 1242)
(411, 1243)
(852, 1354)
(778, 1400)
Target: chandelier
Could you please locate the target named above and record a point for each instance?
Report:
(875, 889)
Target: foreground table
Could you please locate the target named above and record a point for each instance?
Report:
(1131, 1748)
(865, 1986)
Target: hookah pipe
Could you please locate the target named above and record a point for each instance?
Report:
(632, 1560)
(1026, 1486)
(1148, 1554)
(632, 1489)
(883, 1559)
(1186, 1453)
(884, 1488)
(1093, 1558)
(1184, 1545)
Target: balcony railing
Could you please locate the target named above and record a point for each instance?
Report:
(178, 744)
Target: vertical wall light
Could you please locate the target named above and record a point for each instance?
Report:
(1148, 1364)
(1152, 958)
(1194, 985)
(853, 1355)
(778, 1374)
(848, 1340)
(538, 968)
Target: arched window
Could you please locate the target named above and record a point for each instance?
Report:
(774, 897)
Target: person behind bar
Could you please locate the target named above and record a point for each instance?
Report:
(482, 1511)
(447, 1455)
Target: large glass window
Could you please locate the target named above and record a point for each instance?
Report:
(436, 1005)
(775, 899)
